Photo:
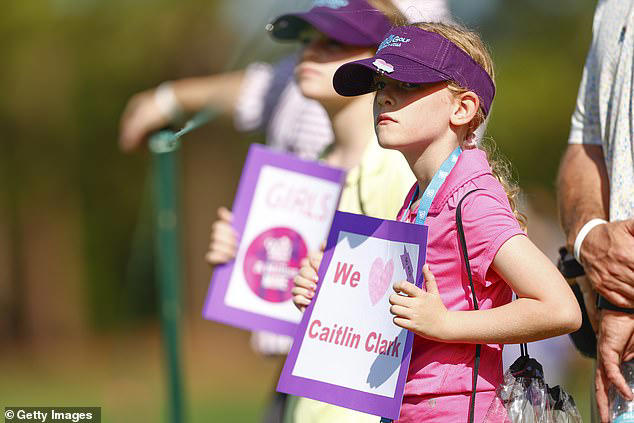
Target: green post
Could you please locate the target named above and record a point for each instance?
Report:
(164, 146)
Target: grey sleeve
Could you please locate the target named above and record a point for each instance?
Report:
(260, 91)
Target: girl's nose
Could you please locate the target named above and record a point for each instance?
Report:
(311, 50)
(383, 97)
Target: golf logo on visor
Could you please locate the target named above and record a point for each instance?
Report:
(333, 4)
(393, 41)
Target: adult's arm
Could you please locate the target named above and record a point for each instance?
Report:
(606, 255)
(606, 252)
(143, 115)
(583, 190)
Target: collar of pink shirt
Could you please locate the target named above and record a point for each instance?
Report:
(471, 164)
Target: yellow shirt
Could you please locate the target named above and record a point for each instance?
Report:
(376, 187)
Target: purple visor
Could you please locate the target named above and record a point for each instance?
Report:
(351, 22)
(410, 54)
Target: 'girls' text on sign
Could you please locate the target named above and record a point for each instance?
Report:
(294, 198)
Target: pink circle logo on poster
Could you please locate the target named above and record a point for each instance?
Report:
(272, 261)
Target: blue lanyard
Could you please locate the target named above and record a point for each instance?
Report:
(432, 188)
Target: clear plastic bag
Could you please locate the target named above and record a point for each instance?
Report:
(524, 397)
(622, 410)
(563, 406)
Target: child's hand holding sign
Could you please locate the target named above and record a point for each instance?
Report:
(223, 241)
(420, 311)
(306, 280)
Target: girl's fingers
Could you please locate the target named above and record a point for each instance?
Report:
(407, 288)
(224, 231)
(402, 323)
(305, 283)
(224, 243)
(297, 290)
(214, 258)
(301, 302)
(315, 259)
(223, 239)
(400, 311)
(220, 224)
(430, 281)
(401, 300)
(309, 273)
(222, 248)
(225, 214)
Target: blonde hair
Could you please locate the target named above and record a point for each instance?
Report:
(391, 12)
(471, 43)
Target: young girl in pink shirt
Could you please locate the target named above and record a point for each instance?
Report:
(434, 87)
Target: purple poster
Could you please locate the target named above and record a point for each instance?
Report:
(283, 209)
(347, 351)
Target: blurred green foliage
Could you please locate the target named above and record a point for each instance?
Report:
(69, 69)
(539, 50)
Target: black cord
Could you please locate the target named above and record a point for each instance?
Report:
(465, 253)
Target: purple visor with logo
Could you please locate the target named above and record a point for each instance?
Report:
(351, 22)
(410, 54)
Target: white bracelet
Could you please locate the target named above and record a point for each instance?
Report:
(166, 100)
(583, 233)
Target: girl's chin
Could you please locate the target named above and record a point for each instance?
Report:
(327, 98)
(389, 144)
(387, 141)
(313, 90)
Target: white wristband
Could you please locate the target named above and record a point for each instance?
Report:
(167, 102)
(583, 233)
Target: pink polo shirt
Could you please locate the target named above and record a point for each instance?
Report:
(439, 382)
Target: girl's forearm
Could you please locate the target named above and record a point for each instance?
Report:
(546, 307)
(523, 320)
(219, 91)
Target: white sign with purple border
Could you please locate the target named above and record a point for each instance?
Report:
(283, 209)
(347, 351)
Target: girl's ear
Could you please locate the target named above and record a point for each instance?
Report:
(466, 107)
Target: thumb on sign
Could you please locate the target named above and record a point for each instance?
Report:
(430, 280)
